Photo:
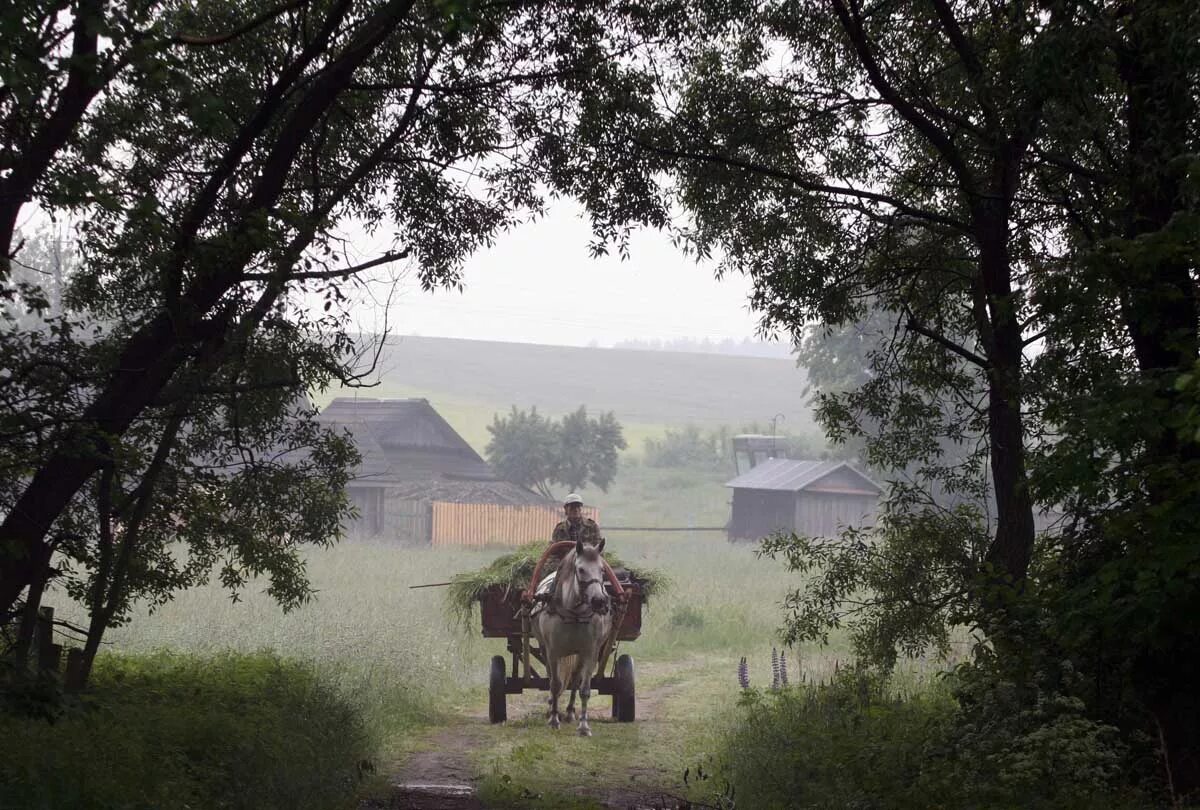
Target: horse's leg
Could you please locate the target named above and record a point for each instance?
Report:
(555, 688)
(585, 692)
(570, 715)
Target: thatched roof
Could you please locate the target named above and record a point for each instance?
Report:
(374, 465)
(409, 448)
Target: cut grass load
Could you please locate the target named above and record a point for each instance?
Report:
(514, 570)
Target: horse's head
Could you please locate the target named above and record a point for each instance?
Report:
(590, 575)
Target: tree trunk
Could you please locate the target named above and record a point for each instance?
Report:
(150, 359)
(1160, 312)
(1012, 546)
(29, 612)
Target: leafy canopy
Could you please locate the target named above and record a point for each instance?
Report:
(537, 452)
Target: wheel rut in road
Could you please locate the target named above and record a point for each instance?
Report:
(442, 776)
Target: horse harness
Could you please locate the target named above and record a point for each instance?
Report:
(582, 613)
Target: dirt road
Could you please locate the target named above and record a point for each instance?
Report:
(448, 767)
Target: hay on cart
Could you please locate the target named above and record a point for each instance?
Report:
(513, 570)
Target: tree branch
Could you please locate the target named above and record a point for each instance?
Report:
(970, 60)
(852, 24)
(81, 87)
(344, 272)
(182, 38)
(201, 206)
(811, 185)
(946, 343)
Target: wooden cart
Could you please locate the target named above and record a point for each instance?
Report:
(504, 615)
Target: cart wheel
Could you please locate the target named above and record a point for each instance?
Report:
(624, 693)
(497, 708)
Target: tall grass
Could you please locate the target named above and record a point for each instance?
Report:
(853, 741)
(176, 731)
(396, 656)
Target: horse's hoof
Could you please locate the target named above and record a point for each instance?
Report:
(570, 716)
(554, 724)
(584, 731)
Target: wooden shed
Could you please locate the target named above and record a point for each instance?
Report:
(813, 498)
(412, 460)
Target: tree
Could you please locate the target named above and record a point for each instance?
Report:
(1013, 186)
(868, 175)
(588, 449)
(524, 449)
(536, 452)
(208, 155)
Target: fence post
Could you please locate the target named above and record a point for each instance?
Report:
(43, 639)
(73, 681)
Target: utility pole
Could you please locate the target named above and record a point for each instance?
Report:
(774, 419)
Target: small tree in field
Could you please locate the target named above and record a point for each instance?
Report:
(523, 448)
(536, 452)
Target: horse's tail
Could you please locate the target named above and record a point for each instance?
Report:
(569, 667)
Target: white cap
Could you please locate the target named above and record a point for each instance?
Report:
(573, 498)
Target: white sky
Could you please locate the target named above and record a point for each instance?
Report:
(539, 284)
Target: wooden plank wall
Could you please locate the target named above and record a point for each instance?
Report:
(487, 524)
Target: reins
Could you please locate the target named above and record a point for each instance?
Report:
(564, 546)
(528, 597)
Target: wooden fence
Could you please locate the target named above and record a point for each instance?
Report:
(486, 524)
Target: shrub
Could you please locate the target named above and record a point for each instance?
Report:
(841, 745)
(687, 617)
(173, 731)
(688, 446)
(849, 744)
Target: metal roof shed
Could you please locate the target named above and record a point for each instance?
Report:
(814, 498)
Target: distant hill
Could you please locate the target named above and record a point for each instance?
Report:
(742, 348)
(641, 386)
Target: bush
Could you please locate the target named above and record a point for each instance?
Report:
(689, 447)
(175, 731)
(842, 745)
(848, 744)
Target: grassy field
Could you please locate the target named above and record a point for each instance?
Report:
(643, 388)
(394, 652)
(470, 417)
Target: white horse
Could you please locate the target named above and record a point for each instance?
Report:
(572, 625)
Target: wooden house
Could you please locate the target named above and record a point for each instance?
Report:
(420, 483)
(813, 498)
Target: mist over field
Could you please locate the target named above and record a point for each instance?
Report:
(644, 388)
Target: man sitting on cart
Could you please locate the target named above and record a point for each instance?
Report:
(574, 529)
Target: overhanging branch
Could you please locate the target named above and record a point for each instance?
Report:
(947, 343)
(343, 272)
(810, 185)
(182, 38)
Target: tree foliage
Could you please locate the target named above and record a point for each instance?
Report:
(1012, 188)
(538, 452)
(213, 159)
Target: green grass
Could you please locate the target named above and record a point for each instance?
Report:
(689, 698)
(177, 731)
(650, 496)
(397, 657)
(853, 741)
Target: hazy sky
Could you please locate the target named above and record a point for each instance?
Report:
(538, 284)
